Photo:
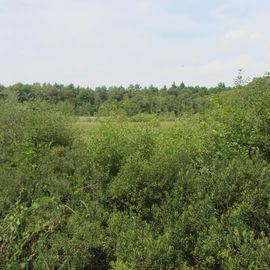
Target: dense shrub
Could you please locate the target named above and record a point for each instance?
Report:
(192, 196)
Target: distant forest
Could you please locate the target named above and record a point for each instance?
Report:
(132, 100)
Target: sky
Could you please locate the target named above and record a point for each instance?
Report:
(121, 42)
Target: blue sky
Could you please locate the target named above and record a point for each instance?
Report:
(122, 42)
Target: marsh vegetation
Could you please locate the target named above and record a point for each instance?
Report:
(189, 193)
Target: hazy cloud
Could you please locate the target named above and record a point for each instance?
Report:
(96, 42)
(242, 35)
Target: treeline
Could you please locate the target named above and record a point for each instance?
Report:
(171, 102)
(195, 196)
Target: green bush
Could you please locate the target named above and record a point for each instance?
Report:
(191, 196)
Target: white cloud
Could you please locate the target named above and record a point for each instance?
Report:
(126, 41)
(239, 35)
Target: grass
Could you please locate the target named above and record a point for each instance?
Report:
(85, 125)
(88, 127)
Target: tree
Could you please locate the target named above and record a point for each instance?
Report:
(240, 79)
(182, 85)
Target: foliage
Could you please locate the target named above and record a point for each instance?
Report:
(192, 196)
(167, 103)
